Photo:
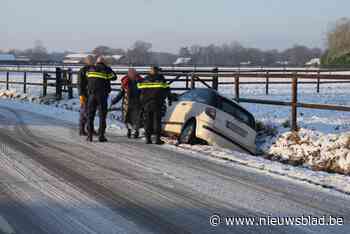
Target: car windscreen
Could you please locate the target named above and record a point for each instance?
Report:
(237, 112)
(201, 96)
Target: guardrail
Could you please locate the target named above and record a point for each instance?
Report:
(62, 80)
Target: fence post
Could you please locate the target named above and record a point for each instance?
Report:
(45, 84)
(187, 81)
(267, 83)
(294, 126)
(215, 83)
(70, 83)
(58, 83)
(237, 87)
(7, 80)
(318, 82)
(193, 81)
(25, 82)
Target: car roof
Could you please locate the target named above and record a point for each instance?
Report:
(213, 91)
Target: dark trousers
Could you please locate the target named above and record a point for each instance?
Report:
(83, 120)
(133, 118)
(152, 122)
(97, 102)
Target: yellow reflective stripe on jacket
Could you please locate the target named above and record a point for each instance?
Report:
(153, 85)
(100, 75)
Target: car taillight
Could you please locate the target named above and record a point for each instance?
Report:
(211, 112)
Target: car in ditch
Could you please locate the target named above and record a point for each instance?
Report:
(204, 116)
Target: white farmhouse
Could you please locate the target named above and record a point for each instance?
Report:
(182, 61)
(75, 58)
(314, 62)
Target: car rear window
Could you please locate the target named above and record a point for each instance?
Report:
(237, 112)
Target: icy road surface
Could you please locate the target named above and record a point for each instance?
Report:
(52, 181)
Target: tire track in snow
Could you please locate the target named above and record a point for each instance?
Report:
(60, 207)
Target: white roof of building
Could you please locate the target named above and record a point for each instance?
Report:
(245, 63)
(314, 61)
(22, 58)
(71, 61)
(117, 56)
(77, 56)
(182, 60)
(7, 57)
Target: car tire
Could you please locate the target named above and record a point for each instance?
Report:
(188, 133)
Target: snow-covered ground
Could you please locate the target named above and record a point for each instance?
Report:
(323, 142)
(336, 182)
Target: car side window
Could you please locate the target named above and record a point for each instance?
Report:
(230, 108)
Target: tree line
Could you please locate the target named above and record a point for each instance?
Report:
(231, 54)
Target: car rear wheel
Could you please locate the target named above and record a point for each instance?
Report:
(188, 133)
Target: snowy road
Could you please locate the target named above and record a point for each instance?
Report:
(52, 181)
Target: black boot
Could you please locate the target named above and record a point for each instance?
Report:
(148, 140)
(82, 132)
(128, 134)
(159, 141)
(89, 138)
(102, 139)
(136, 134)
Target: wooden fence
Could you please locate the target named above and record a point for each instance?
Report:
(62, 81)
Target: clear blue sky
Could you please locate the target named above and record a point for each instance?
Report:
(81, 25)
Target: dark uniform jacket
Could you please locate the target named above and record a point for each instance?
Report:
(154, 91)
(83, 80)
(99, 79)
(130, 96)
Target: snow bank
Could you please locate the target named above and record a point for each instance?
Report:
(318, 151)
(12, 94)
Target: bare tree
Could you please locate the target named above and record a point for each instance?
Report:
(102, 50)
(338, 38)
(184, 52)
(38, 52)
(140, 53)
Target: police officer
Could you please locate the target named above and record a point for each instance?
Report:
(83, 93)
(131, 108)
(154, 90)
(99, 87)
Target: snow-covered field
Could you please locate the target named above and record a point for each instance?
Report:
(323, 142)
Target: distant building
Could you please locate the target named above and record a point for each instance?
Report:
(22, 59)
(75, 58)
(114, 59)
(13, 59)
(284, 63)
(247, 63)
(182, 61)
(79, 58)
(7, 58)
(313, 62)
